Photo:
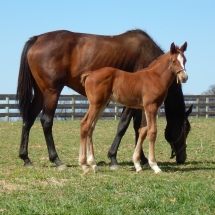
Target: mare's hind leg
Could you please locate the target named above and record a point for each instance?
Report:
(34, 110)
(50, 104)
(86, 153)
(121, 129)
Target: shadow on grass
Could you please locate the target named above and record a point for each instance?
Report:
(166, 166)
(174, 167)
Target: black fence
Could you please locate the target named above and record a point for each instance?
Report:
(74, 107)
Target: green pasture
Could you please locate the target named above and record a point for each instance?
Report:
(179, 189)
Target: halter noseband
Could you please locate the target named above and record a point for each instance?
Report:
(174, 151)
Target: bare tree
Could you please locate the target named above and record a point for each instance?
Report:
(210, 91)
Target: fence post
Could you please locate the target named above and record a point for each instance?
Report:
(207, 107)
(197, 108)
(116, 112)
(73, 108)
(7, 110)
(158, 113)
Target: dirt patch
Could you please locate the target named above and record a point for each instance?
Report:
(53, 181)
(9, 187)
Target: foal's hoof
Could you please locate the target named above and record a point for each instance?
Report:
(85, 169)
(138, 170)
(61, 167)
(158, 171)
(114, 167)
(95, 168)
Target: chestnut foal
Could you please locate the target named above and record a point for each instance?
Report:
(145, 89)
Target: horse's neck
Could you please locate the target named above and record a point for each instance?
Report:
(162, 69)
(174, 102)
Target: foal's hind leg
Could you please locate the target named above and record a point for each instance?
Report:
(139, 120)
(86, 153)
(34, 110)
(50, 104)
(138, 148)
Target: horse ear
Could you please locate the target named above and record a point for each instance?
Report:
(184, 47)
(188, 112)
(172, 48)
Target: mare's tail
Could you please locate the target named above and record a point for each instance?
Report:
(83, 78)
(24, 93)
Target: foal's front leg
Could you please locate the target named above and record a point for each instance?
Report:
(151, 112)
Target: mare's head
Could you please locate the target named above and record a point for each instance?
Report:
(177, 61)
(176, 133)
(178, 125)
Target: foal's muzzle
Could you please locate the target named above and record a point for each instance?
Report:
(182, 75)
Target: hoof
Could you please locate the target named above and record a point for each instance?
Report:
(158, 172)
(114, 167)
(85, 169)
(139, 170)
(28, 165)
(144, 161)
(95, 168)
(155, 167)
(61, 167)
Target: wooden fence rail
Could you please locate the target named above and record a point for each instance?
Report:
(75, 106)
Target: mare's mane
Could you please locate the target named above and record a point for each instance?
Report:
(142, 33)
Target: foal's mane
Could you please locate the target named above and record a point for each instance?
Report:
(159, 59)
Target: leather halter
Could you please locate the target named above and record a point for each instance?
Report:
(174, 151)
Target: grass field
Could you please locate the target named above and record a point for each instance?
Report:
(180, 189)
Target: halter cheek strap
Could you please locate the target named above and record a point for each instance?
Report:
(174, 151)
(174, 69)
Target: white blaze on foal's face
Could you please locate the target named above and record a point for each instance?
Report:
(181, 60)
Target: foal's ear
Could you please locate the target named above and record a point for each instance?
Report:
(184, 47)
(172, 48)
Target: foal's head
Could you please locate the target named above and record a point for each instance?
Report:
(177, 61)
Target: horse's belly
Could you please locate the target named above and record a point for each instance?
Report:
(131, 102)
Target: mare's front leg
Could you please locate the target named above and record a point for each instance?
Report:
(151, 113)
(50, 104)
(86, 152)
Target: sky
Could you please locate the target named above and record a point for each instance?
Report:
(165, 21)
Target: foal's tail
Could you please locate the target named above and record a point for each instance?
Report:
(84, 77)
(24, 93)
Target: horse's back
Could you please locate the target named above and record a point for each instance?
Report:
(61, 57)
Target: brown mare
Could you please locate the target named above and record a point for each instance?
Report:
(145, 89)
(56, 59)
